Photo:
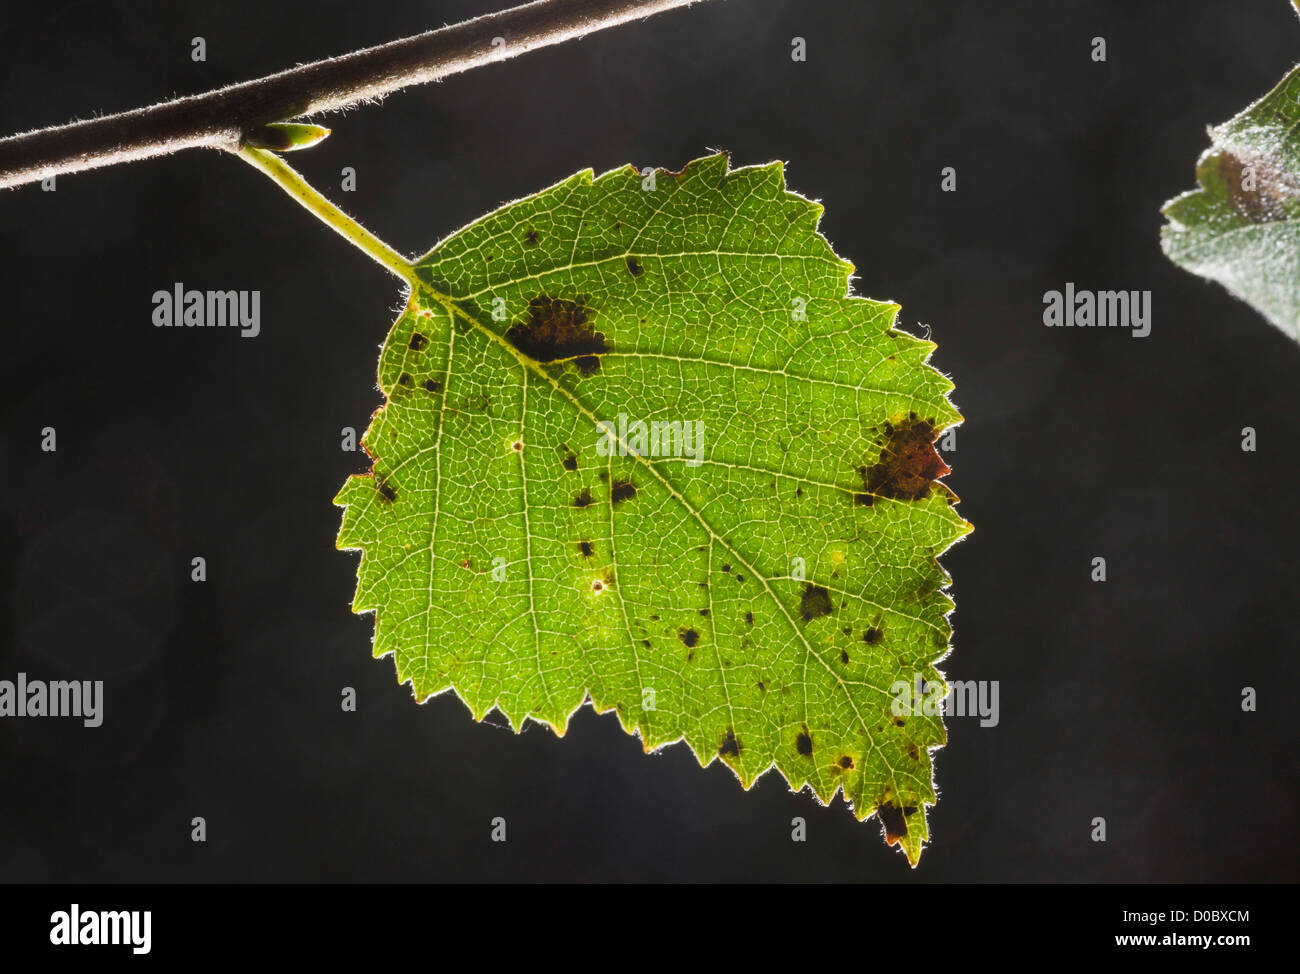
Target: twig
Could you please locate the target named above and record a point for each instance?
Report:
(219, 119)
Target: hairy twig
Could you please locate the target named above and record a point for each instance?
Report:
(219, 119)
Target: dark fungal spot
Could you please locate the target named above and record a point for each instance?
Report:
(570, 462)
(740, 578)
(704, 612)
(912, 752)
(633, 268)
(816, 601)
(585, 548)
(908, 463)
(418, 341)
(530, 238)
(730, 747)
(844, 657)
(909, 810)
(873, 635)
(603, 475)
(645, 643)
(892, 819)
(761, 686)
(898, 721)
(405, 379)
(559, 329)
(749, 618)
(798, 492)
(847, 630)
(583, 499)
(845, 762)
(622, 490)
(433, 385)
(726, 568)
(1270, 188)
(689, 636)
(386, 490)
(803, 743)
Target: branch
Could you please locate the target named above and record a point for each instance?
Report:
(219, 119)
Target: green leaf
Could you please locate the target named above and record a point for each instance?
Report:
(760, 605)
(1242, 226)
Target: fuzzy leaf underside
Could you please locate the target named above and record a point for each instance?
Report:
(508, 559)
(1241, 227)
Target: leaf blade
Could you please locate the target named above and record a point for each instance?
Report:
(1241, 226)
(626, 573)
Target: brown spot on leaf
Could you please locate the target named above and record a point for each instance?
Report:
(844, 656)
(622, 490)
(585, 548)
(386, 490)
(433, 385)
(530, 238)
(418, 341)
(633, 268)
(689, 636)
(749, 618)
(803, 743)
(730, 747)
(912, 751)
(405, 379)
(583, 499)
(570, 462)
(892, 819)
(908, 464)
(873, 635)
(559, 329)
(816, 601)
(845, 762)
(1273, 185)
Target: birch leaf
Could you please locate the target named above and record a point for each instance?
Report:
(1241, 227)
(641, 447)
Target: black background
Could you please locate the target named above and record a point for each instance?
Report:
(1119, 700)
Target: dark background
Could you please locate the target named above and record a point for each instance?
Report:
(1119, 700)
